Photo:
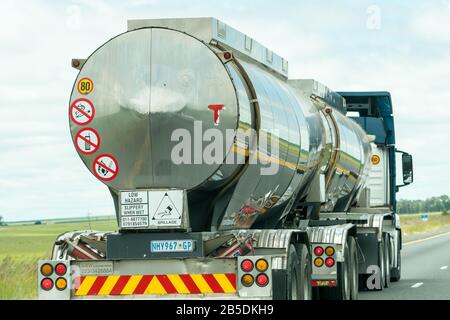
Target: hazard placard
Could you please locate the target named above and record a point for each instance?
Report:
(165, 208)
(105, 167)
(153, 209)
(82, 111)
(87, 141)
(85, 86)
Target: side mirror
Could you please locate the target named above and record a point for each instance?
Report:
(407, 163)
(407, 169)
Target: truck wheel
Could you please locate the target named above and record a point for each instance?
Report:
(354, 276)
(293, 275)
(381, 264)
(344, 272)
(397, 271)
(305, 271)
(387, 260)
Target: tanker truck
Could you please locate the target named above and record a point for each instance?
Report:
(229, 180)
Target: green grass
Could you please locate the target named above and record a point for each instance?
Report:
(411, 223)
(22, 246)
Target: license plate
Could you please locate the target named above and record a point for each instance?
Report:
(172, 246)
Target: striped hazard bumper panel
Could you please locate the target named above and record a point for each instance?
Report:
(155, 284)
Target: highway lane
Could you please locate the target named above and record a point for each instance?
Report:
(425, 274)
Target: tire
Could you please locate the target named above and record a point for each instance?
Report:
(387, 260)
(305, 272)
(354, 275)
(293, 275)
(343, 290)
(381, 264)
(396, 272)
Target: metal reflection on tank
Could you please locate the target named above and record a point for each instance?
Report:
(167, 75)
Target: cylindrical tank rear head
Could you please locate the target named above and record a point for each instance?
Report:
(141, 94)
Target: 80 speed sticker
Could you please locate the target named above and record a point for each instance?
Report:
(105, 167)
(85, 86)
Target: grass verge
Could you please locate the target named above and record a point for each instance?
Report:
(22, 246)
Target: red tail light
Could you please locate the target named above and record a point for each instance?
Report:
(329, 262)
(318, 251)
(60, 269)
(262, 280)
(247, 265)
(47, 284)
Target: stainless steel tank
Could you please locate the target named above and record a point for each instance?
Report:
(141, 93)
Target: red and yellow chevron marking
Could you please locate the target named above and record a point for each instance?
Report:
(156, 284)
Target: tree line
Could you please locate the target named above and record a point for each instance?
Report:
(433, 204)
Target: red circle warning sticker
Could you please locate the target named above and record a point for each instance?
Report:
(105, 167)
(82, 111)
(87, 141)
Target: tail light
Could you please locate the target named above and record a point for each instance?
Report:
(247, 265)
(60, 269)
(329, 262)
(262, 280)
(247, 280)
(318, 251)
(47, 284)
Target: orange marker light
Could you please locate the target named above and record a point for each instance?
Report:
(46, 269)
(318, 262)
(61, 283)
(329, 251)
(247, 280)
(261, 265)
(375, 159)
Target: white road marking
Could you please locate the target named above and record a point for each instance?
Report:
(418, 284)
(421, 240)
(444, 267)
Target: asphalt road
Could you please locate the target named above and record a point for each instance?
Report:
(425, 274)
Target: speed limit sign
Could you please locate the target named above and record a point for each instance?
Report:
(85, 86)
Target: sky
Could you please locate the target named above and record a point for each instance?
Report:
(398, 46)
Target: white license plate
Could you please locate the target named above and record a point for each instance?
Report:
(172, 246)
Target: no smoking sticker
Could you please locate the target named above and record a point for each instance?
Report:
(105, 167)
(82, 111)
(87, 141)
(85, 86)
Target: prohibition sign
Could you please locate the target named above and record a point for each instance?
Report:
(87, 141)
(82, 111)
(105, 167)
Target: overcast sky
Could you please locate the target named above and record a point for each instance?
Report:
(399, 46)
